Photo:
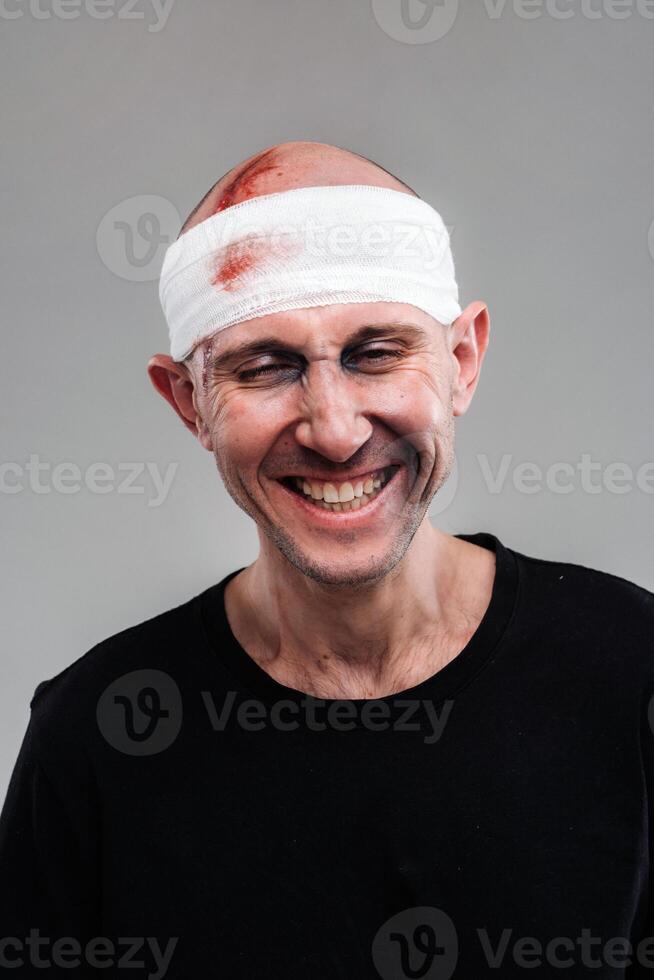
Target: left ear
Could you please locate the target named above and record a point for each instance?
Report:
(469, 335)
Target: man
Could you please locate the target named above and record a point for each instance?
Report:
(378, 750)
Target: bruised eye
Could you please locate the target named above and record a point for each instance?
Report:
(376, 355)
(252, 374)
(283, 370)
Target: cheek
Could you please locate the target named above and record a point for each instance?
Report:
(241, 431)
(413, 401)
(418, 412)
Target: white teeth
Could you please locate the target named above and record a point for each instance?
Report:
(342, 496)
(346, 493)
(353, 504)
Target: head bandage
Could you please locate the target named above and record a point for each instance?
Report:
(307, 247)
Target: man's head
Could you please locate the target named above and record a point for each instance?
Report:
(287, 166)
(339, 392)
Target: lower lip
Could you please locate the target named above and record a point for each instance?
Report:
(348, 518)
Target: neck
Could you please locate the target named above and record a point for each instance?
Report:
(368, 642)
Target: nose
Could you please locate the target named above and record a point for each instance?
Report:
(332, 423)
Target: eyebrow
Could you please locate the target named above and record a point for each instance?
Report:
(226, 359)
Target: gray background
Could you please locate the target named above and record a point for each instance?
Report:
(530, 132)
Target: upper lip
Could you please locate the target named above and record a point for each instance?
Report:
(332, 478)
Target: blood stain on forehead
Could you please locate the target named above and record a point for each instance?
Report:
(243, 186)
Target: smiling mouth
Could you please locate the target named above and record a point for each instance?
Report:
(341, 496)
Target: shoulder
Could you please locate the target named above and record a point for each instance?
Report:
(68, 700)
(584, 584)
(589, 609)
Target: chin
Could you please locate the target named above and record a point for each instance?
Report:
(346, 569)
(359, 577)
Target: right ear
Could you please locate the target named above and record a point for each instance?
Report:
(173, 381)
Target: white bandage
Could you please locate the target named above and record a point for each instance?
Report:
(312, 246)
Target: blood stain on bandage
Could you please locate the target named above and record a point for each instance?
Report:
(242, 187)
(237, 260)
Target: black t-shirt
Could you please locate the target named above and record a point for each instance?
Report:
(174, 806)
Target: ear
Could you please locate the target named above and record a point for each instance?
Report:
(173, 381)
(469, 336)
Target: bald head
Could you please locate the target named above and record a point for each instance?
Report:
(287, 166)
